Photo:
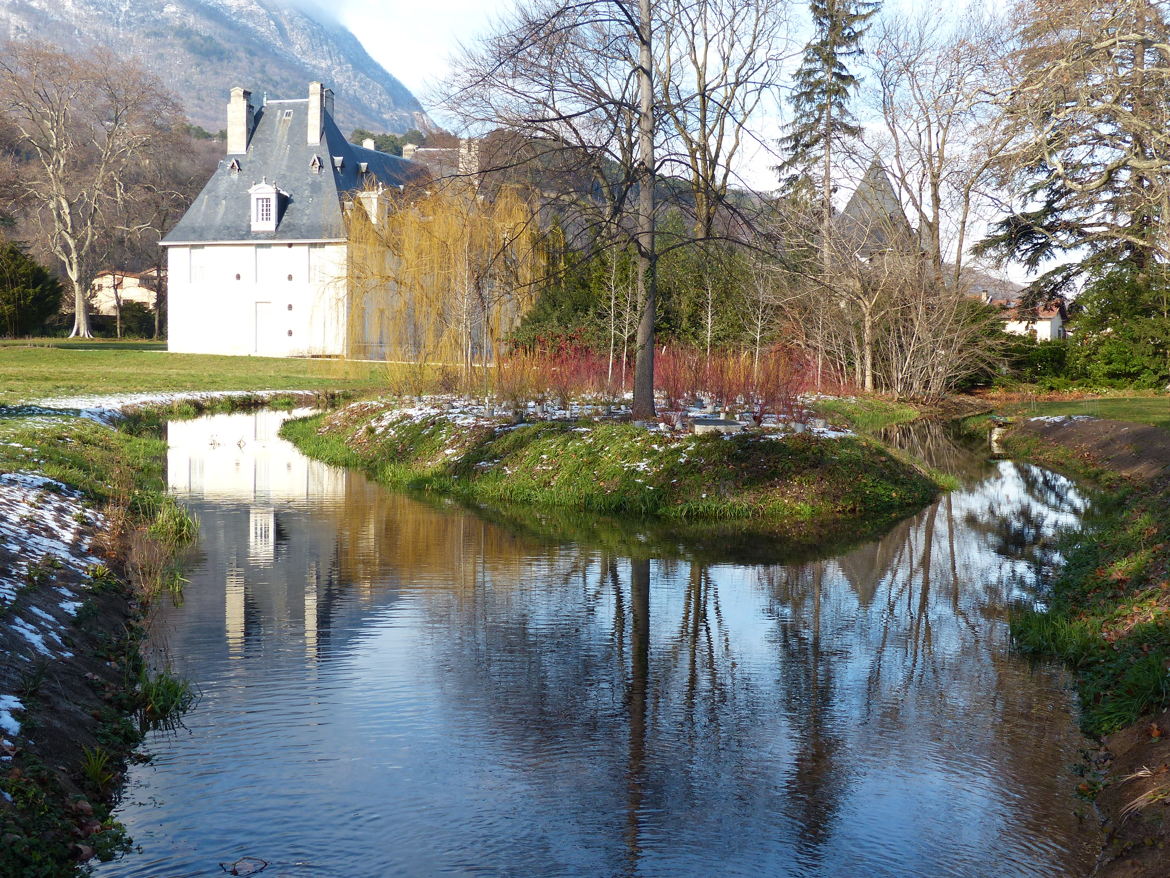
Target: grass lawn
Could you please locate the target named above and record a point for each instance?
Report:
(29, 372)
(1153, 410)
(1140, 410)
(77, 344)
(866, 414)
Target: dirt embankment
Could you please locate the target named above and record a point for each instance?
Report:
(68, 649)
(1128, 589)
(1136, 451)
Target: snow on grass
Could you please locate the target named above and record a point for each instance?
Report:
(39, 523)
(470, 413)
(1061, 419)
(32, 635)
(108, 409)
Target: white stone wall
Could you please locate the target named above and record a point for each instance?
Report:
(1044, 329)
(274, 300)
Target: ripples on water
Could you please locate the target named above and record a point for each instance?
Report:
(396, 688)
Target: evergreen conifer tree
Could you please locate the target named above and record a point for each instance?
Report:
(820, 101)
(29, 294)
(1090, 164)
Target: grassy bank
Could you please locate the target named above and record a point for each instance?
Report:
(865, 414)
(795, 488)
(1109, 610)
(78, 693)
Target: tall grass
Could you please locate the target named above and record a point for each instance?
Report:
(163, 698)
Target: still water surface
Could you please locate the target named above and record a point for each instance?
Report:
(391, 687)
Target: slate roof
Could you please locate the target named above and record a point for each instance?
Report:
(873, 219)
(278, 152)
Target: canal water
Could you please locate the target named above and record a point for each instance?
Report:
(396, 687)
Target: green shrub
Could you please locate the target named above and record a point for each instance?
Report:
(29, 294)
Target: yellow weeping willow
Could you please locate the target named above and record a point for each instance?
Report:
(440, 275)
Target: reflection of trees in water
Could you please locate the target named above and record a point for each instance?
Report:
(817, 782)
(553, 646)
(1024, 520)
(556, 646)
(940, 445)
(895, 636)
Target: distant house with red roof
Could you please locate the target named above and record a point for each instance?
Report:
(1049, 321)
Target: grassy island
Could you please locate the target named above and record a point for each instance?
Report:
(797, 486)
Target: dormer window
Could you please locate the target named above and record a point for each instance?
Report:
(316, 164)
(234, 167)
(266, 204)
(339, 162)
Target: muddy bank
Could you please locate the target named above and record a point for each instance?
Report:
(68, 637)
(1136, 451)
(1110, 620)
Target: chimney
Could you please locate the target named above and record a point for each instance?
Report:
(320, 106)
(240, 121)
(408, 150)
(368, 143)
(468, 157)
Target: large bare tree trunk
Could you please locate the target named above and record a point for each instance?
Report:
(643, 408)
(81, 328)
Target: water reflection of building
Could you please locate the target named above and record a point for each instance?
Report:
(241, 457)
(293, 543)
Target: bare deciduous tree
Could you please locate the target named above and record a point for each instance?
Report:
(937, 85)
(576, 82)
(84, 126)
(718, 61)
(579, 83)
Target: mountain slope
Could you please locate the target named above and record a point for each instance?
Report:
(201, 48)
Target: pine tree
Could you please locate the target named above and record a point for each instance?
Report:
(820, 101)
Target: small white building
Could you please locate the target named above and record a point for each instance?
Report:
(110, 286)
(1047, 325)
(259, 262)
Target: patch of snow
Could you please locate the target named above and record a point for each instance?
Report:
(70, 607)
(1061, 419)
(8, 723)
(29, 633)
(38, 519)
(110, 408)
(39, 612)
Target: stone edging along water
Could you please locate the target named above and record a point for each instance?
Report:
(77, 498)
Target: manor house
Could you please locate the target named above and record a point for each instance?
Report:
(259, 262)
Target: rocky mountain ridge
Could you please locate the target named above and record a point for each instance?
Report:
(201, 48)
